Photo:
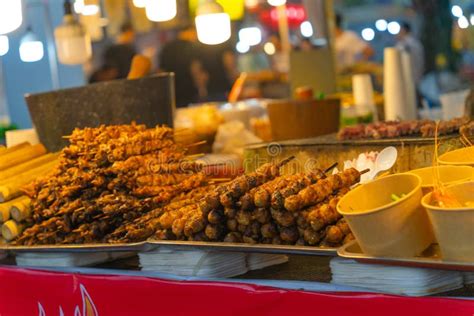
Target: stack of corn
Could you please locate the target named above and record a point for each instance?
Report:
(19, 165)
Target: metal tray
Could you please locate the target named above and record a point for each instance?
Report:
(86, 248)
(241, 247)
(173, 244)
(430, 258)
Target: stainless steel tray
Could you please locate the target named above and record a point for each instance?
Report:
(430, 258)
(86, 248)
(241, 247)
(173, 244)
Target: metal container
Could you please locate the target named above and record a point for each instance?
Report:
(149, 101)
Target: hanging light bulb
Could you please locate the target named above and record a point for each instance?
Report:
(276, 3)
(11, 15)
(269, 48)
(79, 6)
(31, 48)
(4, 45)
(250, 35)
(306, 29)
(242, 47)
(91, 19)
(90, 9)
(212, 24)
(139, 3)
(73, 43)
(160, 10)
(251, 4)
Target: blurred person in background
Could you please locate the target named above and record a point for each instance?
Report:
(254, 60)
(182, 56)
(407, 42)
(117, 58)
(306, 45)
(350, 48)
(220, 64)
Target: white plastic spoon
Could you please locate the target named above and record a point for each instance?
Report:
(385, 160)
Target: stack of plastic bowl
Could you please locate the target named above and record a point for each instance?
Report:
(454, 227)
(384, 227)
(404, 227)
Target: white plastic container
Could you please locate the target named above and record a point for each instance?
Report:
(453, 104)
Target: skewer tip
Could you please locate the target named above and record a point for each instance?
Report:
(285, 161)
(334, 165)
(196, 144)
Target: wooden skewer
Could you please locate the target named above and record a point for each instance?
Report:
(364, 171)
(466, 141)
(180, 130)
(214, 164)
(285, 161)
(194, 156)
(221, 179)
(334, 165)
(196, 144)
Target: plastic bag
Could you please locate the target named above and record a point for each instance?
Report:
(231, 138)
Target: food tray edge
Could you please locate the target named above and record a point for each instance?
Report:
(423, 262)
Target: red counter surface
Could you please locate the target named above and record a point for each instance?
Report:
(35, 292)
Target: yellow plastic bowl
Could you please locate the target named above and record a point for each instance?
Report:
(459, 157)
(454, 228)
(448, 175)
(384, 227)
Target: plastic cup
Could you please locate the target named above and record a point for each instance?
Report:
(453, 104)
(384, 227)
(454, 227)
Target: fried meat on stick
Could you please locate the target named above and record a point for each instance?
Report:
(322, 189)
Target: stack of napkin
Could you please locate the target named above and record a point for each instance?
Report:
(209, 264)
(67, 259)
(394, 279)
(194, 263)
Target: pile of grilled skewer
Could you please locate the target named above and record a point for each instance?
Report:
(259, 207)
(127, 183)
(107, 177)
(393, 129)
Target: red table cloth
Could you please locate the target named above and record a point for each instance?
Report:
(36, 292)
